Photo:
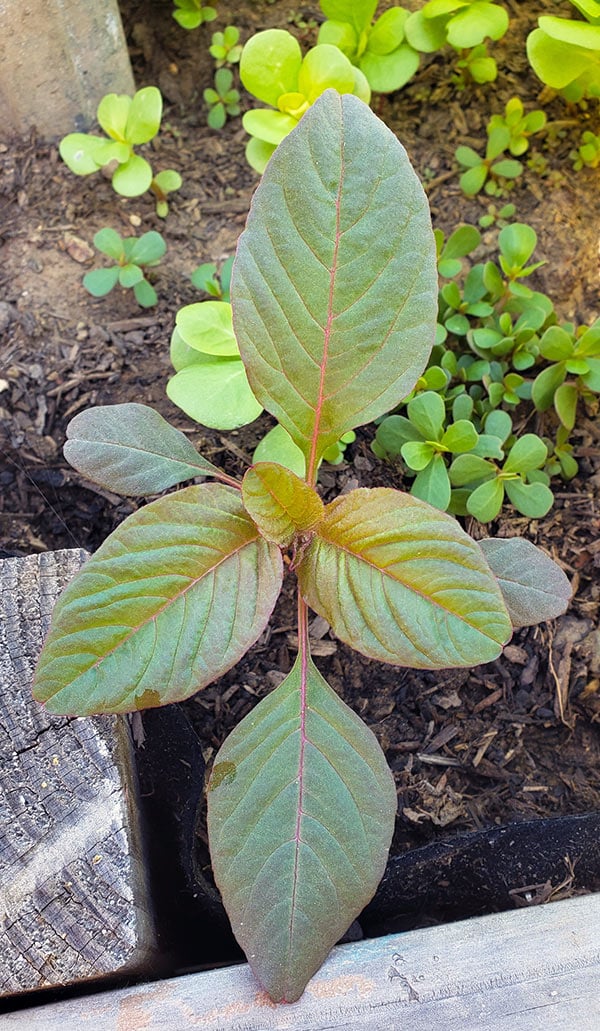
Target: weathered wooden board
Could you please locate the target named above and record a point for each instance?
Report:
(73, 895)
(532, 969)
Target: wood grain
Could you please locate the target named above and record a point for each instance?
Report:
(73, 894)
(529, 970)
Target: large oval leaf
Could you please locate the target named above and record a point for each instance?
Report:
(401, 582)
(534, 587)
(131, 449)
(171, 600)
(334, 286)
(215, 393)
(301, 810)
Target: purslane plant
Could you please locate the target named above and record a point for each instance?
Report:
(225, 47)
(223, 101)
(334, 299)
(190, 14)
(565, 53)
(132, 255)
(378, 48)
(520, 125)
(128, 122)
(483, 172)
(464, 25)
(273, 70)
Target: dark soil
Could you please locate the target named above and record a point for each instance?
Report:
(511, 741)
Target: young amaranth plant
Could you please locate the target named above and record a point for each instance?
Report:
(334, 294)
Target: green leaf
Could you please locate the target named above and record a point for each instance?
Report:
(486, 500)
(417, 454)
(301, 810)
(85, 154)
(171, 600)
(112, 114)
(270, 64)
(432, 484)
(347, 333)
(388, 72)
(556, 344)
(109, 242)
(517, 243)
(280, 503)
(388, 31)
(460, 436)
(427, 412)
(270, 126)
(148, 249)
(100, 281)
(531, 499)
(528, 452)
(534, 587)
(325, 66)
(472, 25)
(394, 431)
(425, 34)
(145, 113)
(401, 582)
(278, 446)
(545, 385)
(215, 393)
(359, 13)
(207, 326)
(470, 469)
(168, 180)
(129, 275)
(133, 178)
(473, 179)
(145, 294)
(565, 403)
(131, 449)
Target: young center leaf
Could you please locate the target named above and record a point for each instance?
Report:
(301, 810)
(171, 600)
(131, 449)
(281, 504)
(401, 582)
(334, 285)
(534, 587)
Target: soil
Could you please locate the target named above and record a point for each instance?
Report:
(510, 741)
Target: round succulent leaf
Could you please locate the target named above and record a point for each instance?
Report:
(533, 586)
(432, 484)
(528, 452)
(486, 500)
(270, 64)
(473, 179)
(575, 33)
(530, 499)
(277, 446)
(339, 34)
(565, 404)
(182, 355)
(215, 393)
(427, 413)
(109, 242)
(145, 294)
(395, 431)
(100, 281)
(425, 34)
(545, 385)
(145, 113)
(79, 152)
(112, 114)
(388, 72)
(388, 31)
(207, 326)
(507, 168)
(301, 808)
(359, 13)
(401, 582)
(131, 449)
(269, 126)
(132, 178)
(168, 180)
(470, 469)
(469, 27)
(172, 599)
(217, 116)
(148, 249)
(483, 69)
(417, 454)
(129, 275)
(461, 242)
(281, 504)
(556, 344)
(258, 154)
(338, 322)
(517, 243)
(577, 366)
(325, 66)
(460, 436)
(591, 378)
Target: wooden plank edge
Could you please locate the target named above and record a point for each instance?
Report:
(534, 969)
